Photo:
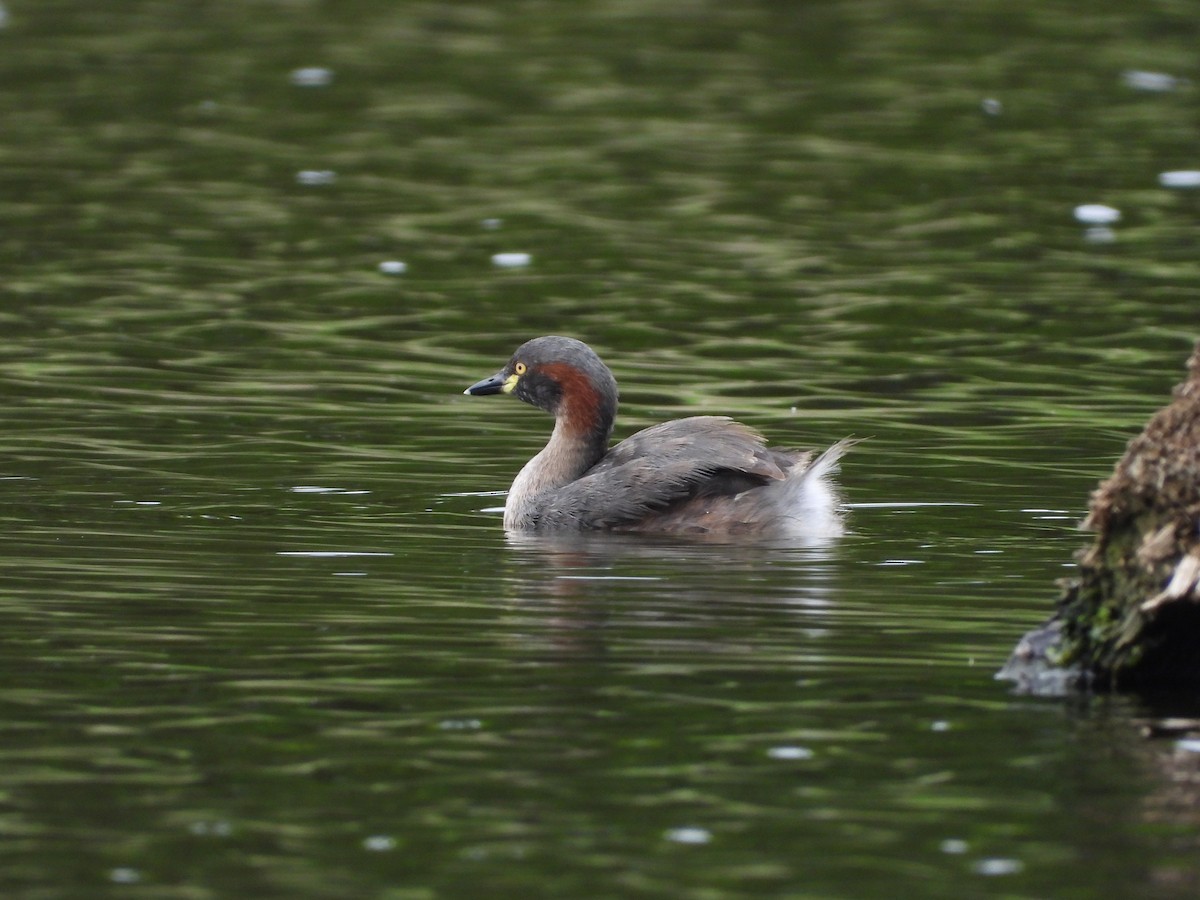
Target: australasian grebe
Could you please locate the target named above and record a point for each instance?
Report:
(700, 475)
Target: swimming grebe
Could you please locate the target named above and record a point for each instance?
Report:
(700, 475)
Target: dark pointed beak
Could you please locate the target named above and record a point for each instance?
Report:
(493, 385)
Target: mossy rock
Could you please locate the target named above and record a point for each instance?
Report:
(1132, 617)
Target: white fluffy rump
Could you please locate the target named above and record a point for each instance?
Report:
(811, 504)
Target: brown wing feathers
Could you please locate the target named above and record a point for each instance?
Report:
(669, 464)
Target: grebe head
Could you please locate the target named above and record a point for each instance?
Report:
(564, 377)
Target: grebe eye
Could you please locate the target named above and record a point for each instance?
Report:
(519, 368)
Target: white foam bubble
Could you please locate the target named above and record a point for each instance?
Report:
(1097, 214)
(511, 260)
(1183, 178)
(311, 76)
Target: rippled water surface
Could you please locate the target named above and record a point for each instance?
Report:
(263, 634)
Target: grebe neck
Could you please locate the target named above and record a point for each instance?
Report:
(568, 454)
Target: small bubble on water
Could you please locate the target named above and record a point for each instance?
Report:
(1097, 214)
(939, 725)
(953, 846)
(492, 224)
(998, 866)
(379, 843)
(991, 106)
(511, 260)
(124, 875)
(460, 724)
(1154, 82)
(393, 267)
(790, 753)
(311, 76)
(316, 177)
(689, 835)
(1183, 178)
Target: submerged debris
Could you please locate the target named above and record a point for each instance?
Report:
(1132, 617)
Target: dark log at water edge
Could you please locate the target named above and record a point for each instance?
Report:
(1131, 619)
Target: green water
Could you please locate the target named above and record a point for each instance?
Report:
(262, 632)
